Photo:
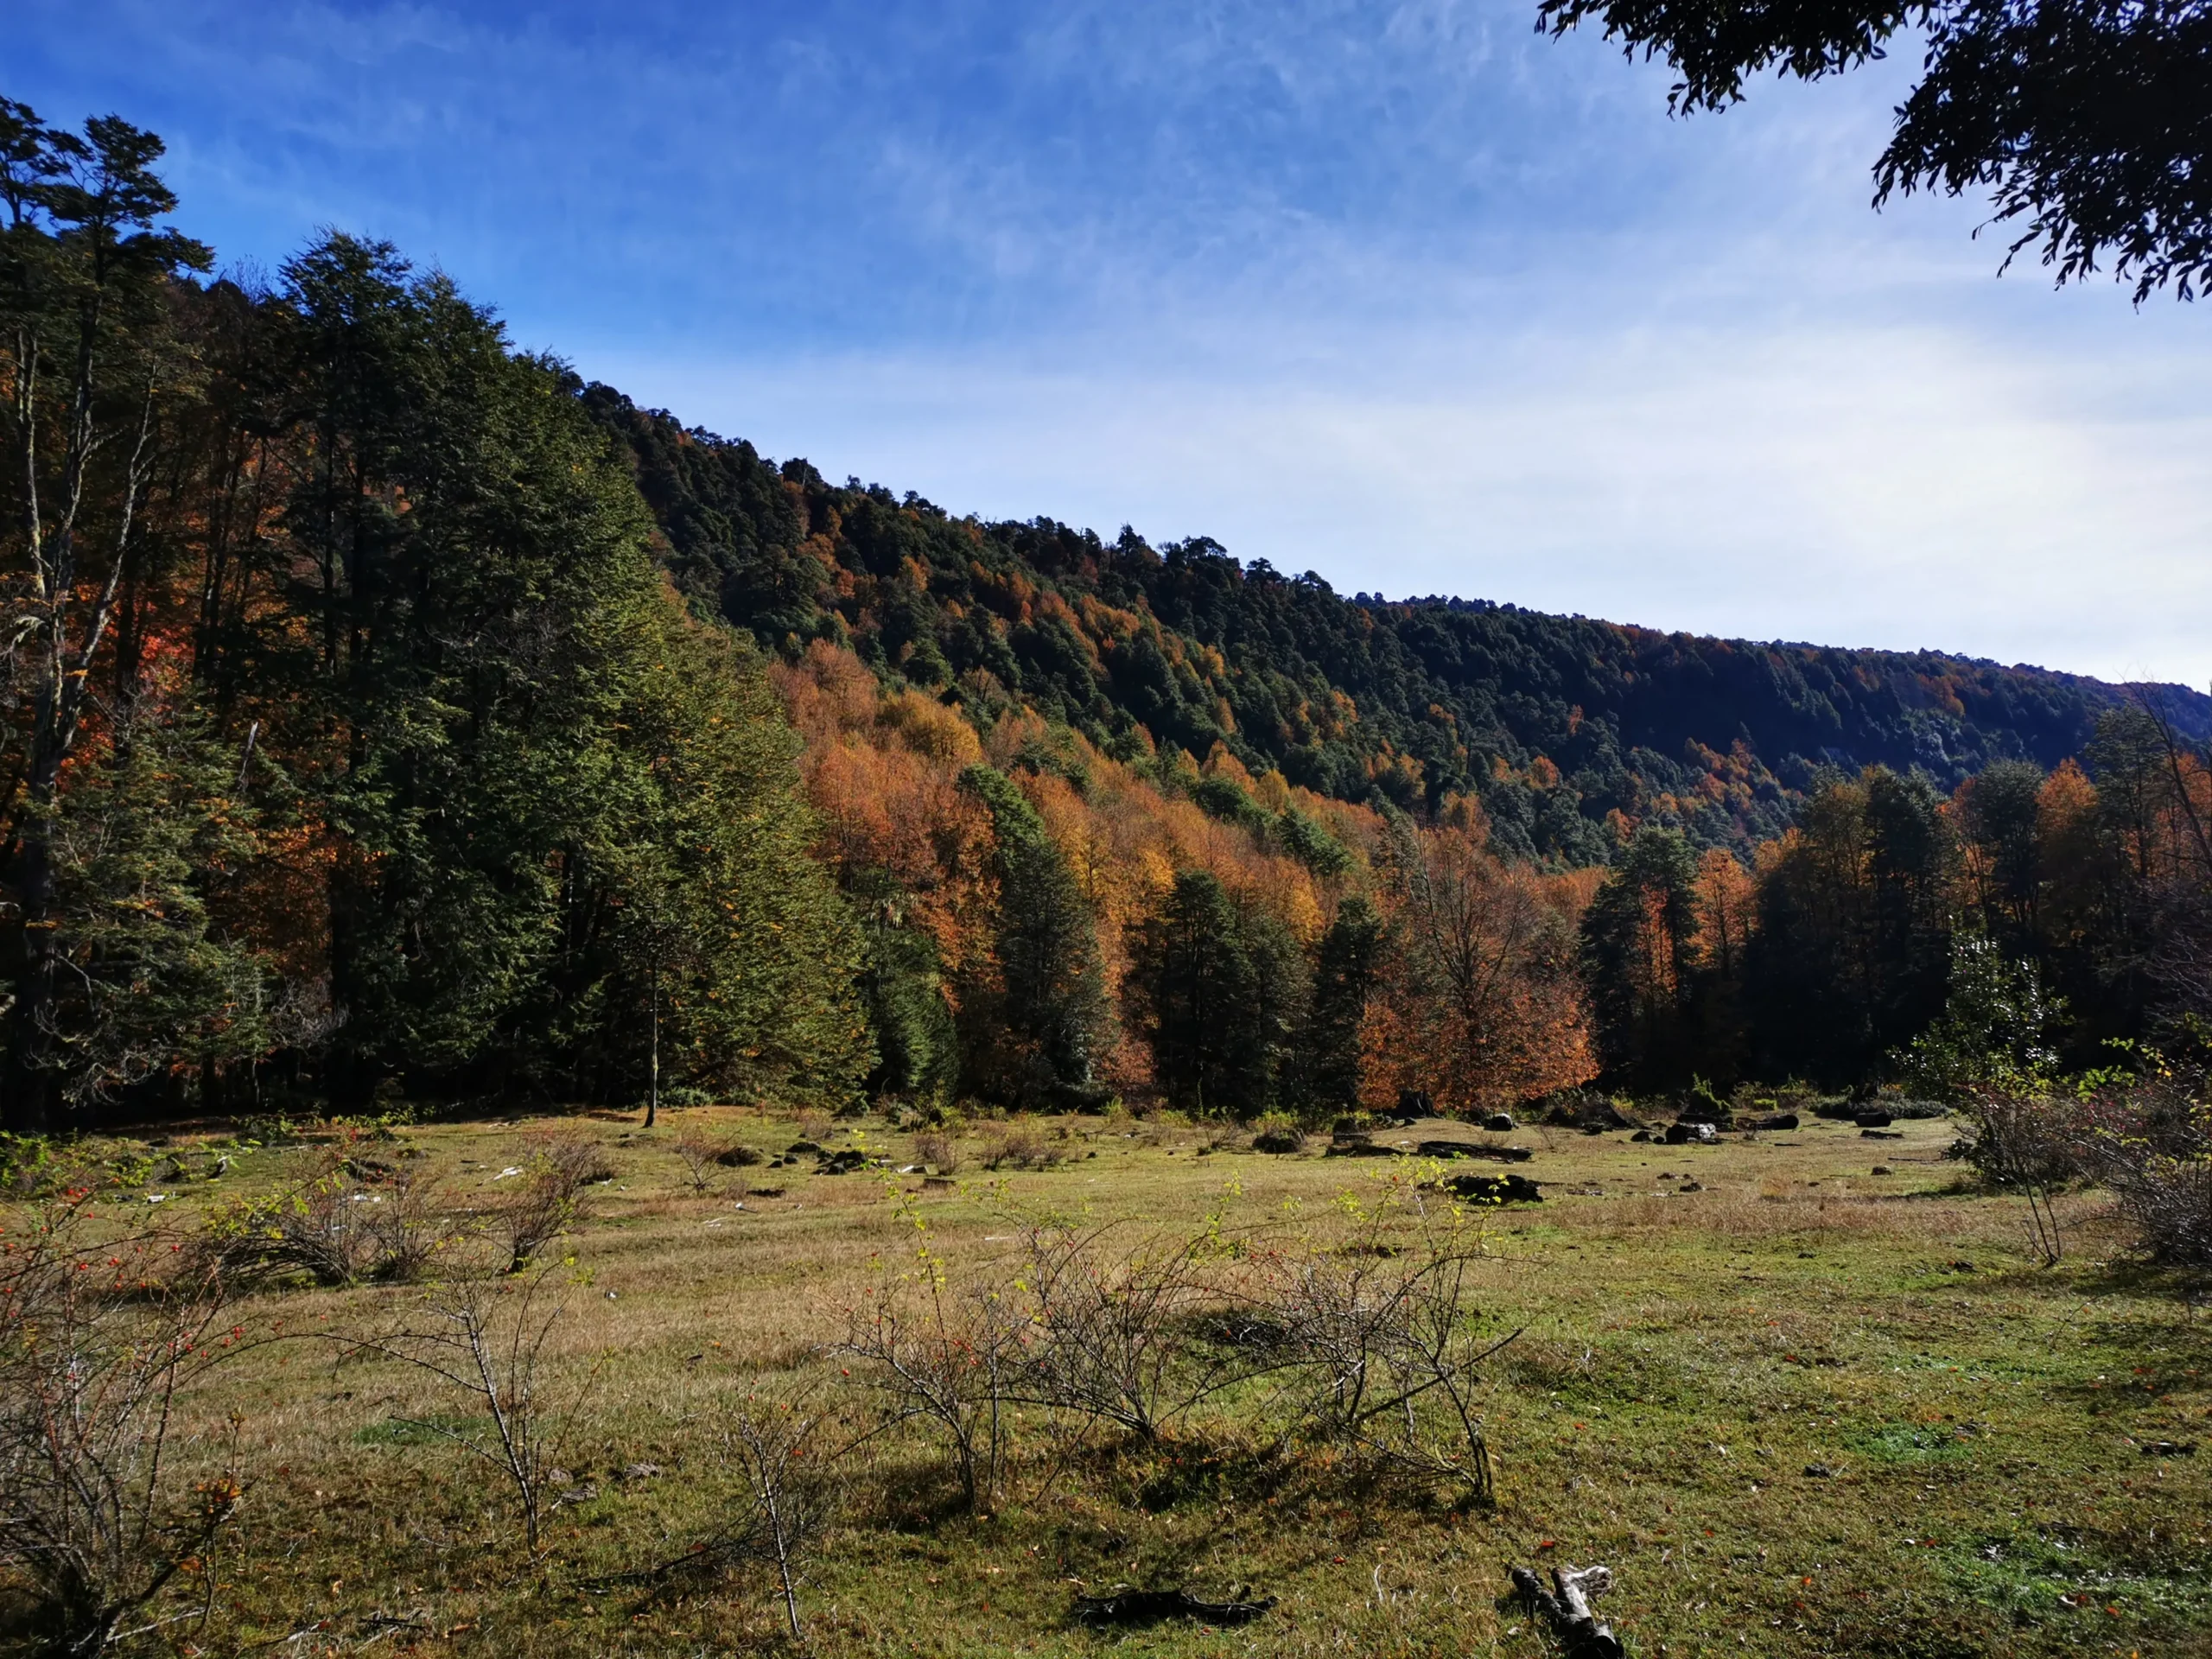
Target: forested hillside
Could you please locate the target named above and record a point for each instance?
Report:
(1568, 731)
(388, 715)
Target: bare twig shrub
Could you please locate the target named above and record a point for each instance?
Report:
(550, 1198)
(2152, 1147)
(950, 1358)
(779, 1441)
(1018, 1143)
(2031, 1145)
(100, 1331)
(1378, 1329)
(334, 1229)
(409, 1223)
(939, 1149)
(488, 1341)
(702, 1154)
(1112, 1326)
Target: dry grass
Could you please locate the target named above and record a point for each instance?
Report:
(1798, 1309)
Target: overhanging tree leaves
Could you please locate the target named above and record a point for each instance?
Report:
(2088, 121)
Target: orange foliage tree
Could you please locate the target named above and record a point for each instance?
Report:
(1481, 1006)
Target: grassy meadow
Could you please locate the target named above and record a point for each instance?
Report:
(1700, 1328)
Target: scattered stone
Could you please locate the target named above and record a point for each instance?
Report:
(1881, 1134)
(640, 1472)
(1691, 1186)
(800, 1148)
(1494, 1189)
(1499, 1122)
(1871, 1120)
(1641, 1134)
(1691, 1134)
(579, 1494)
(737, 1157)
(2170, 1449)
(1883, 1169)
(1773, 1122)
(1960, 1266)
(1818, 1472)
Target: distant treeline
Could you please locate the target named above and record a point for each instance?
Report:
(384, 712)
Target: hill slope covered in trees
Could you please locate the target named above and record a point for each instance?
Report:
(1568, 730)
(387, 713)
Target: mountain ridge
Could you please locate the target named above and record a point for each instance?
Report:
(1569, 730)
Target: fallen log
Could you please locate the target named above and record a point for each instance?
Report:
(1580, 1633)
(1474, 1149)
(1124, 1605)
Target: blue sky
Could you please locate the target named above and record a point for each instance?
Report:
(1401, 293)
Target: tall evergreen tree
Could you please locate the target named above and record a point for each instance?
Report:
(1219, 989)
(1050, 1004)
(1998, 813)
(1851, 953)
(1638, 951)
(1346, 969)
(93, 369)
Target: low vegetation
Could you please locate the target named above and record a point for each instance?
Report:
(1796, 1403)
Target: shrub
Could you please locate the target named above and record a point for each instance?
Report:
(1113, 1321)
(488, 1342)
(702, 1153)
(343, 1225)
(2151, 1146)
(1017, 1144)
(100, 1331)
(777, 1439)
(939, 1149)
(2029, 1144)
(551, 1196)
(951, 1359)
(1376, 1327)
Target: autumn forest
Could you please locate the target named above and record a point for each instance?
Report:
(387, 714)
